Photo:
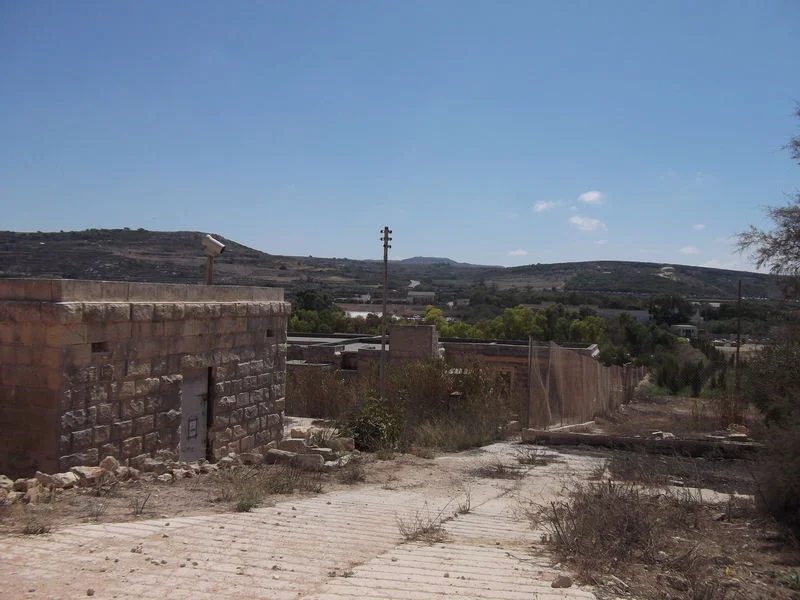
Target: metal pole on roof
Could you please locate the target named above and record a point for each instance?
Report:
(385, 239)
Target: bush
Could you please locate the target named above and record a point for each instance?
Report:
(322, 393)
(599, 526)
(772, 384)
(779, 476)
(375, 426)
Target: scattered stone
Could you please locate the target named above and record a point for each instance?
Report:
(6, 483)
(668, 436)
(308, 462)
(326, 453)
(44, 479)
(64, 480)
(293, 445)
(109, 463)
(251, 458)
(226, 462)
(562, 581)
(298, 433)
(21, 485)
(89, 476)
(12, 497)
(137, 549)
(90, 592)
(165, 478)
(151, 465)
(279, 457)
(36, 494)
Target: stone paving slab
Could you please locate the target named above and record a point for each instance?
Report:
(343, 544)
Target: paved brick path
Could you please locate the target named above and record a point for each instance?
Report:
(343, 544)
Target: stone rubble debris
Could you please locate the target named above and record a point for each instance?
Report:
(301, 450)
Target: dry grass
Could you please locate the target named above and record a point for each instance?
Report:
(353, 472)
(248, 488)
(497, 469)
(534, 456)
(35, 520)
(424, 525)
(613, 529)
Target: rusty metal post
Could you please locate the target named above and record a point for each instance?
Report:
(209, 270)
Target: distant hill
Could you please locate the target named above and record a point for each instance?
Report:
(177, 257)
(433, 260)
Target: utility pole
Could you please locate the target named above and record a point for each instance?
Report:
(385, 233)
(736, 373)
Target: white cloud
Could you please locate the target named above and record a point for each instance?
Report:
(698, 226)
(689, 250)
(543, 205)
(601, 242)
(588, 223)
(592, 197)
(518, 252)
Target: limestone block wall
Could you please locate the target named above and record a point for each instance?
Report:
(413, 342)
(89, 369)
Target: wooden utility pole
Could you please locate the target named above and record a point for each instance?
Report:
(736, 373)
(385, 233)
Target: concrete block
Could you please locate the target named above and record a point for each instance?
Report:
(326, 453)
(293, 445)
(308, 462)
(279, 457)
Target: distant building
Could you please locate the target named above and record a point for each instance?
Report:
(421, 297)
(612, 314)
(462, 302)
(685, 330)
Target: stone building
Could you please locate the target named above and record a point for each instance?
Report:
(90, 369)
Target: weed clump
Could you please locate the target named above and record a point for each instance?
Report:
(600, 525)
(248, 488)
(423, 525)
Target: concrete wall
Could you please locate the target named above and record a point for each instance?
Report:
(413, 342)
(89, 369)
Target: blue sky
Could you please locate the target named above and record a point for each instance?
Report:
(490, 132)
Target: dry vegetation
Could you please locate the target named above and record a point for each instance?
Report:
(429, 405)
(666, 527)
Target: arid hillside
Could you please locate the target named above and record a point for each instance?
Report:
(177, 257)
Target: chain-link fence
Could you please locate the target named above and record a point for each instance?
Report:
(567, 387)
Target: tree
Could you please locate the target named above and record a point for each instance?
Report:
(671, 309)
(778, 249)
(772, 379)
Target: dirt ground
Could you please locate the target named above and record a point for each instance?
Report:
(688, 418)
(732, 551)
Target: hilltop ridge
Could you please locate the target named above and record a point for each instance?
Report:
(177, 257)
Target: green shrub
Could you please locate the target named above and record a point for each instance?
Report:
(375, 426)
(779, 476)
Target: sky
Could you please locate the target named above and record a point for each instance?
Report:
(502, 133)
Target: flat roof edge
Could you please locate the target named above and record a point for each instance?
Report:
(79, 290)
